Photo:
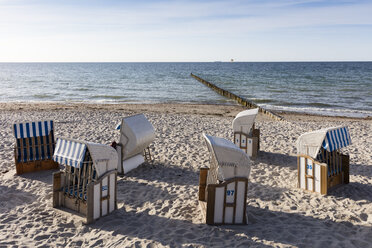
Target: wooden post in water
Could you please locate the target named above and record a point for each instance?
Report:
(239, 99)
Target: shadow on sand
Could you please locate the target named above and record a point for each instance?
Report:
(277, 159)
(264, 225)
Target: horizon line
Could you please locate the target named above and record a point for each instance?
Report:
(216, 61)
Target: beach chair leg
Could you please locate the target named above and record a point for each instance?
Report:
(346, 168)
(202, 182)
(90, 203)
(56, 188)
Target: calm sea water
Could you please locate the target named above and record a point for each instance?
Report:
(332, 88)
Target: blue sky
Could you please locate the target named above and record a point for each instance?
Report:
(144, 30)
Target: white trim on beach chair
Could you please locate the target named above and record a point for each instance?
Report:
(321, 165)
(246, 137)
(34, 146)
(87, 185)
(223, 186)
(136, 134)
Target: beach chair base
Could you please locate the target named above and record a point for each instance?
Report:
(224, 203)
(100, 197)
(250, 144)
(124, 166)
(38, 165)
(315, 176)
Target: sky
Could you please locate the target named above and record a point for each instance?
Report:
(185, 31)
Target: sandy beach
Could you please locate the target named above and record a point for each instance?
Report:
(158, 202)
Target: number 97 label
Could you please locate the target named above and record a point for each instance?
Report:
(230, 192)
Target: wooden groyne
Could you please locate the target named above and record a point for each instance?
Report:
(237, 98)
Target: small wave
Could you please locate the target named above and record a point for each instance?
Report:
(82, 89)
(276, 91)
(108, 97)
(319, 104)
(42, 96)
(321, 111)
(350, 90)
(256, 100)
(36, 81)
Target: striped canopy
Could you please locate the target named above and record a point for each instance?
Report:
(330, 139)
(32, 129)
(72, 152)
(69, 152)
(336, 139)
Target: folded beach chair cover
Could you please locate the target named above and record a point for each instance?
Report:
(136, 134)
(330, 139)
(231, 161)
(244, 121)
(29, 133)
(72, 152)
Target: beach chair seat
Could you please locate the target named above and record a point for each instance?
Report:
(246, 136)
(34, 146)
(321, 165)
(88, 182)
(223, 185)
(136, 134)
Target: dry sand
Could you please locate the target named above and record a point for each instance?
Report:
(157, 203)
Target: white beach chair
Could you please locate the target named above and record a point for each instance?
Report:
(321, 165)
(246, 137)
(87, 184)
(136, 134)
(223, 186)
(34, 146)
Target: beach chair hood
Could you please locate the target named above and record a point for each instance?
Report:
(232, 161)
(330, 139)
(72, 153)
(244, 120)
(136, 133)
(32, 129)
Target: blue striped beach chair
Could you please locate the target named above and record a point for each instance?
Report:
(34, 146)
(87, 184)
(321, 165)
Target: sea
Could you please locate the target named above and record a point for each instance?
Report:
(323, 88)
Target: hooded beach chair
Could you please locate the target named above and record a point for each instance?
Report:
(223, 186)
(34, 146)
(246, 137)
(87, 184)
(321, 165)
(136, 134)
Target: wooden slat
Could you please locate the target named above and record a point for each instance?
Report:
(90, 203)
(84, 179)
(210, 204)
(235, 193)
(202, 182)
(100, 198)
(224, 204)
(345, 168)
(245, 202)
(306, 173)
(323, 179)
(313, 172)
(56, 188)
